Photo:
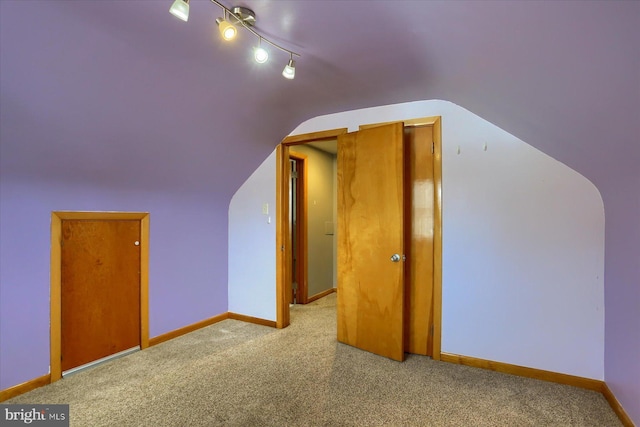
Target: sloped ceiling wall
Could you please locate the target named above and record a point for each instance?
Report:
(123, 95)
(129, 88)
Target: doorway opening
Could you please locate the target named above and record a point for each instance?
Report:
(292, 240)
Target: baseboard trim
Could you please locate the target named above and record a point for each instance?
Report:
(616, 406)
(207, 322)
(189, 328)
(539, 374)
(523, 371)
(27, 386)
(321, 295)
(19, 389)
(250, 319)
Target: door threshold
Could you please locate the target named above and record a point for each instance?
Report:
(99, 361)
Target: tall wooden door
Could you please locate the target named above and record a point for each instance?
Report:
(370, 300)
(100, 289)
(298, 225)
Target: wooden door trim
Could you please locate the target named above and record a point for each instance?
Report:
(283, 258)
(423, 121)
(437, 237)
(283, 235)
(313, 136)
(303, 261)
(56, 278)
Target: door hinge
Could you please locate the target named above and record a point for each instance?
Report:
(431, 331)
(294, 174)
(433, 147)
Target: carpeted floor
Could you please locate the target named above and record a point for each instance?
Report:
(239, 374)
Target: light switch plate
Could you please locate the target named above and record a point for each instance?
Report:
(328, 228)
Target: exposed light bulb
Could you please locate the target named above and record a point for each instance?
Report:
(227, 30)
(180, 9)
(229, 33)
(260, 55)
(289, 71)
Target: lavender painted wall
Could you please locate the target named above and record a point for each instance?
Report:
(91, 122)
(187, 267)
(622, 284)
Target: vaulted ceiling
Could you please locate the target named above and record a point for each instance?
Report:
(121, 93)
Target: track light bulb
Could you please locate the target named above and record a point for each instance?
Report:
(227, 30)
(260, 55)
(289, 71)
(180, 9)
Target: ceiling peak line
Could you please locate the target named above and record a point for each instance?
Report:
(246, 18)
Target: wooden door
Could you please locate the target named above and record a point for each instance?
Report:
(298, 227)
(294, 224)
(100, 289)
(370, 300)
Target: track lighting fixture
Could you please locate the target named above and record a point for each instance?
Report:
(180, 9)
(234, 17)
(289, 71)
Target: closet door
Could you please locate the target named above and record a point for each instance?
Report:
(100, 289)
(371, 240)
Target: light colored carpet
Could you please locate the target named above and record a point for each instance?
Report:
(239, 374)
